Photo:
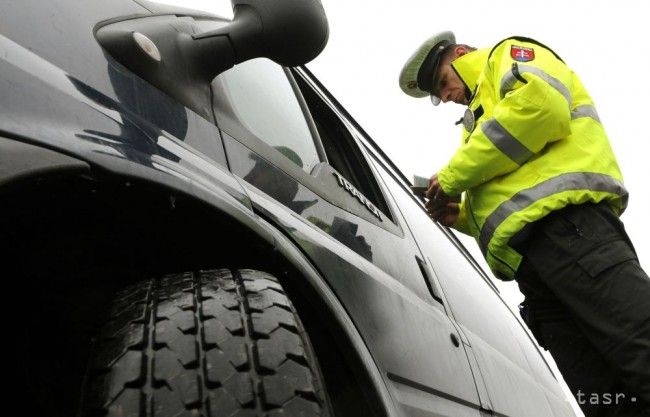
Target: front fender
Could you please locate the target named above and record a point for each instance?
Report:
(22, 163)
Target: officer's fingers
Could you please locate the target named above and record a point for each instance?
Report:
(450, 215)
(434, 204)
(449, 219)
(439, 212)
(432, 210)
(434, 185)
(445, 215)
(441, 195)
(432, 191)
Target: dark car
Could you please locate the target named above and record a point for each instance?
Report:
(194, 229)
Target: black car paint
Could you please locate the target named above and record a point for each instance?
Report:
(64, 93)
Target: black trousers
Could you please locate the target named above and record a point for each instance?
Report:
(587, 301)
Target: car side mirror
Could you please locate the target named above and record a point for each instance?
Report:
(289, 32)
(168, 52)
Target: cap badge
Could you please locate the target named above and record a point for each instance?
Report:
(522, 53)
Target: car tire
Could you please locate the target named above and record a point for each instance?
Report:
(208, 343)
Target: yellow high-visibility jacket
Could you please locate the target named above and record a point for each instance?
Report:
(535, 145)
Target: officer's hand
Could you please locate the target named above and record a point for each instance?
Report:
(446, 215)
(436, 194)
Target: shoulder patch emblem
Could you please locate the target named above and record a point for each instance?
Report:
(522, 53)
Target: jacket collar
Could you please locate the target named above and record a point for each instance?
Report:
(469, 67)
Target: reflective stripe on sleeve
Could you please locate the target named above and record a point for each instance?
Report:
(505, 142)
(508, 81)
(565, 182)
(586, 110)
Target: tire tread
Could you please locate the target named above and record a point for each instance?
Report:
(211, 343)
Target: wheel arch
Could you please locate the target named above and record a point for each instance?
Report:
(66, 215)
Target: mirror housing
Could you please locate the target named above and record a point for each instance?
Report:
(167, 52)
(289, 32)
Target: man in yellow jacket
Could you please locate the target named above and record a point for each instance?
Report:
(536, 183)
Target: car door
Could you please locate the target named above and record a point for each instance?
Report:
(517, 379)
(305, 170)
(514, 378)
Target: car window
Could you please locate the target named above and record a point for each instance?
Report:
(264, 102)
(341, 150)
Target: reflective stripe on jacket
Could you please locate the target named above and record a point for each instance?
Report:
(536, 146)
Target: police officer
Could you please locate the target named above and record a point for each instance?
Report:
(536, 183)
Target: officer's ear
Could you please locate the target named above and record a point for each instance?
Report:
(460, 50)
